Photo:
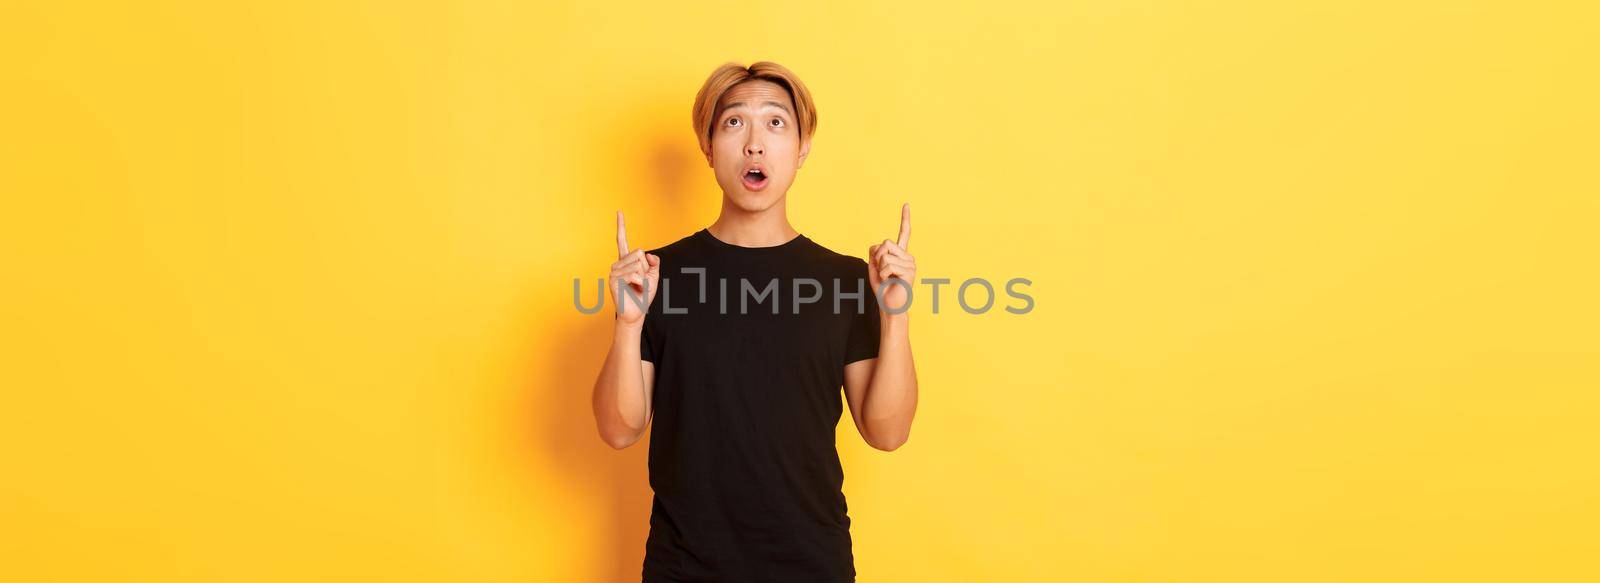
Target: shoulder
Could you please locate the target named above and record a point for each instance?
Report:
(678, 248)
(834, 260)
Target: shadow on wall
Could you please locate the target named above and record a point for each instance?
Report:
(662, 201)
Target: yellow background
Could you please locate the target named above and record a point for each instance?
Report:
(287, 285)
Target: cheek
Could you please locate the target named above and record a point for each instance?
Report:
(784, 150)
(725, 157)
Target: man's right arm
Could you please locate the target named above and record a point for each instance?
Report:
(622, 392)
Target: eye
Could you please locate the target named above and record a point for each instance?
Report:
(777, 122)
(734, 122)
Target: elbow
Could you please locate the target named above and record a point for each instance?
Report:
(890, 443)
(619, 439)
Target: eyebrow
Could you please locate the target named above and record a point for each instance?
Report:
(746, 104)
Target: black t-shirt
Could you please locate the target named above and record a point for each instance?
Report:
(746, 476)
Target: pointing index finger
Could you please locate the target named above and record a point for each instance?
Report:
(905, 226)
(622, 237)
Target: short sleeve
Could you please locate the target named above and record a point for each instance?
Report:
(645, 352)
(863, 341)
(649, 334)
(647, 338)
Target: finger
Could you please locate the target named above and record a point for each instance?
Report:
(892, 259)
(905, 226)
(622, 236)
(900, 263)
(900, 270)
(893, 250)
(618, 273)
(655, 264)
(894, 272)
(628, 260)
(623, 275)
(621, 285)
(883, 250)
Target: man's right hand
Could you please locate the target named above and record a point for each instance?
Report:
(634, 270)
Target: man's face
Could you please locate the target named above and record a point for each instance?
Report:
(755, 144)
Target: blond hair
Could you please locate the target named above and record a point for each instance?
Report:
(731, 74)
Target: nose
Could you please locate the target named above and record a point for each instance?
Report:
(753, 147)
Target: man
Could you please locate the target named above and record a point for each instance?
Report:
(736, 339)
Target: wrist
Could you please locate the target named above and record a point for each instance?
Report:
(628, 329)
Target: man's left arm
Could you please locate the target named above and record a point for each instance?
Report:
(882, 391)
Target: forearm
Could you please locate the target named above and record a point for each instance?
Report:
(621, 405)
(891, 400)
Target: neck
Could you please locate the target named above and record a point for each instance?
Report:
(764, 228)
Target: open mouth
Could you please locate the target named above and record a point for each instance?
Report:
(755, 179)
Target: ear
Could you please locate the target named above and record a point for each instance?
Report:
(805, 150)
(707, 151)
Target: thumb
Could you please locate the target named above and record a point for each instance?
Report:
(655, 264)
